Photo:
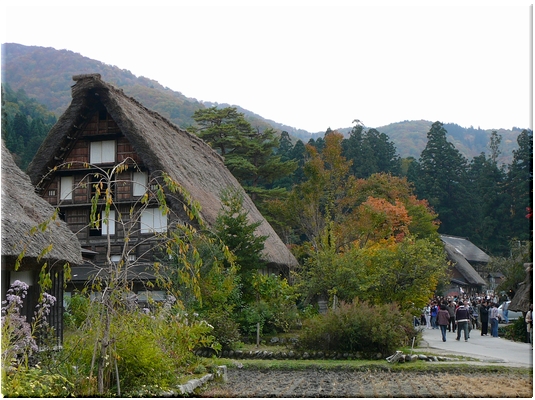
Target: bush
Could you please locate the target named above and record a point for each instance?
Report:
(274, 309)
(76, 311)
(515, 331)
(358, 327)
(226, 330)
(35, 382)
(152, 349)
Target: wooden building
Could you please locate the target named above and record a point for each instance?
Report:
(103, 127)
(22, 212)
(465, 257)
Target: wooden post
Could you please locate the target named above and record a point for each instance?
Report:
(257, 334)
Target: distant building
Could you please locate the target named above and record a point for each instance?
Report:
(465, 257)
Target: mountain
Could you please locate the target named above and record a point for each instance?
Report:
(45, 74)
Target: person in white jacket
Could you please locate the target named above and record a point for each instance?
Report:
(427, 313)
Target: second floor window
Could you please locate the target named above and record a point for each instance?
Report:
(140, 183)
(102, 152)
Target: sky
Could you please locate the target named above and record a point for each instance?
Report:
(310, 64)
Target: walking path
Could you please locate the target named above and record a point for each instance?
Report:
(484, 348)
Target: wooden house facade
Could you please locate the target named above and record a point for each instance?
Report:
(103, 128)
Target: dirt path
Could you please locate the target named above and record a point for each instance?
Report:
(321, 383)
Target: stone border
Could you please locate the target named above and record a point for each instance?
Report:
(315, 355)
(189, 388)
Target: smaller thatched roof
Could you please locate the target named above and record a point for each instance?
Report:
(524, 295)
(466, 248)
(465, 269)
(22, 211)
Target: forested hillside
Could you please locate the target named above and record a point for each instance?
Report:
(45, 74)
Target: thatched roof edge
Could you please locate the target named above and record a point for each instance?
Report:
(22, 211)
(463, 266)
(524, 295)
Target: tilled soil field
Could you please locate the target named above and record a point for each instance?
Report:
(325, 383)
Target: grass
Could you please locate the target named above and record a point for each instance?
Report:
(462, 366)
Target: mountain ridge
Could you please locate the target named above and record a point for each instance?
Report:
(45, 74)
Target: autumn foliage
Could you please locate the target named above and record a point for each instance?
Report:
(366, 238)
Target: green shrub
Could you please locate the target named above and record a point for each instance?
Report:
(226, 330)
(76, 311)
(515, 331)
(152, 349)
(358, 327)
(35, 382)
(274, 308)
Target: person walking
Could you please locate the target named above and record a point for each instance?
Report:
(451, 310)
(434, 314)
(484, 314)
(475, 314)
(462, 317)
(443, 319)
(493, 316)
(427, 312)
(529, 324)
(505, 309)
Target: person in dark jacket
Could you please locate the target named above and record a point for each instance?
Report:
(434, 314)
(443, 319)
(462, 317)
(484, 315)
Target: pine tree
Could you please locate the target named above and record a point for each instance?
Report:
(520, 187)
(371, 152)
(237, 233)
(488, 201)
(249, 154)
(442, 180)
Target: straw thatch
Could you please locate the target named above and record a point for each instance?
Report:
(466, 248)
(162, 146)
(465, 269)
(22, 211)
(524, 295)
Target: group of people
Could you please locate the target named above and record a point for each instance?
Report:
(461, 314)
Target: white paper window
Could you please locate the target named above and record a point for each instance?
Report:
(152, 220)
(140, 183)
(110, 226)
(65, 188)
(102, 152)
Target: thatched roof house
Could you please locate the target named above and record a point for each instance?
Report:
(466, 249)
(463, 254)
(22, 211)
(524, 296)
(161, 146)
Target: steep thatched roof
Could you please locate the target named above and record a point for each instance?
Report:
(467, 271)
(524, 295)
(162, 146)
(22, 210)
(466, 248)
